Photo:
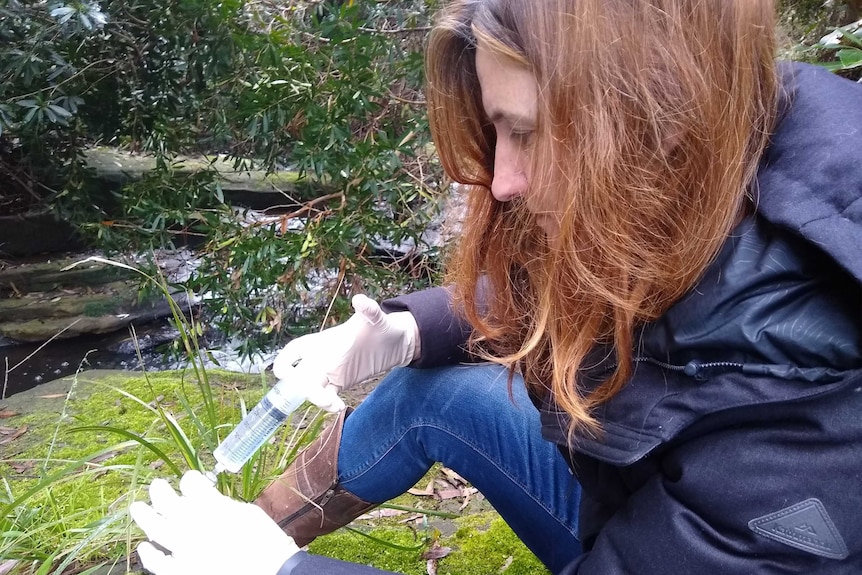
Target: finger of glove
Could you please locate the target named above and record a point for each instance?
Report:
(154, 560)
(288, 357)
(163, 497)
(195, 486)
(153, 524)
(368, 308)
(325, 398)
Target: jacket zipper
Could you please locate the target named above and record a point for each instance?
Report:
(693, 368)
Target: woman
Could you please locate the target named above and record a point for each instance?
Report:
(660, 265)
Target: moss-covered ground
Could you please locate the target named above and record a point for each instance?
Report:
(64, 489)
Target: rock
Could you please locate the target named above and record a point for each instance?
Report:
(249, 188)
(43, 301)
(100, 313)
(52, 275)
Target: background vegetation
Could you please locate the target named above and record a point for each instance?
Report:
(331, 90)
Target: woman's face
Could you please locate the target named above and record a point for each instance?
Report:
(510, 100)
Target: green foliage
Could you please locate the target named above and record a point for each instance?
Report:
(807, 20)
(841, 51)
(330, 89)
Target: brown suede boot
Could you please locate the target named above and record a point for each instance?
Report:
(306, 500)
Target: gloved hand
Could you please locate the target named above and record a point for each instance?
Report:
(368, 344)
(207, 532)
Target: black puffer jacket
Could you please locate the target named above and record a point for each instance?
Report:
(737, 445)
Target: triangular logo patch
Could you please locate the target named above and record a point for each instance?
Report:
(805, 526)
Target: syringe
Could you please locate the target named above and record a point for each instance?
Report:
(256, 427)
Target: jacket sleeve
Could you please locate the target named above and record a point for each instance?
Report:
(442, 332)
(774, 497)
(302, 563)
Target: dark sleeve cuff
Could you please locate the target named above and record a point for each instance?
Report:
(442, 332)
(302, 563)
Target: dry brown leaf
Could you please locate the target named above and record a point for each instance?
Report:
(445, 494)
(103, 457)
(443, 484)
(14, 435)
(453, 477)
(157, 401)
(432, 555)
(436, 552)
(380, 513)
(7, 413)
(416, 517)
(22, 466)
(427, 492)
(468, 492)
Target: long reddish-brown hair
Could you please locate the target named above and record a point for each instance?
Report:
(653, 115)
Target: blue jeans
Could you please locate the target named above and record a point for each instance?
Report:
(464, 417)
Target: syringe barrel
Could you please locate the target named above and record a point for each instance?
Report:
(258, 426)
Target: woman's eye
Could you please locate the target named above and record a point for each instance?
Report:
(523, 137)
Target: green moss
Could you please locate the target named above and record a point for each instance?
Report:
(485, 545)
(100, 308)
(350, 546)
(481, 544)
(64, 510)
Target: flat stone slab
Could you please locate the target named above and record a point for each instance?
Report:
(50, 275)
(243, 186)
(45, 300)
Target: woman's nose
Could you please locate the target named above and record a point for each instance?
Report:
(510, 180)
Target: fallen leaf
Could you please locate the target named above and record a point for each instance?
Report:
(13, 436)
(427, 492)
(380, 513)
(52, 396)
(445, 494)
(443, 484)
(22, 466)
(436, 552)
(454, 477)
(468, 493)
(506, 564)
(103, 457)
(7, 413)
(158, 400)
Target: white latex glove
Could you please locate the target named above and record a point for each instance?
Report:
(368, 344)
(207, 532)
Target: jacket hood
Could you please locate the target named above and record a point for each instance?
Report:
(810, 177)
